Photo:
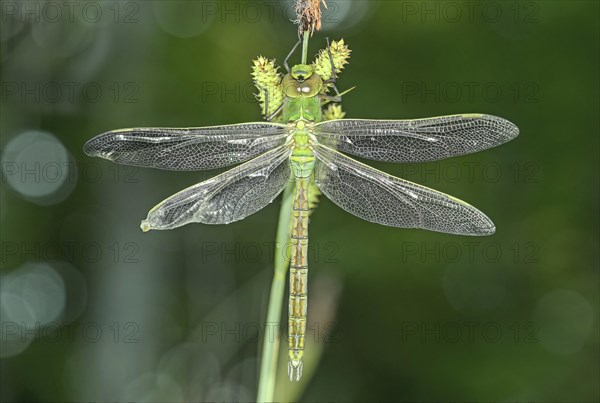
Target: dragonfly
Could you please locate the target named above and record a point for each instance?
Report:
(301, 147)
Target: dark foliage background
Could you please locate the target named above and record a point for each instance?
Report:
(93, 309)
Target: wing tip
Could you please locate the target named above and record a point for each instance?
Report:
(479, 224)
(89, 149)
(93, 147)
(485, 226)
(485, 231)
(145, 226)
(508, 131)
(511, 130)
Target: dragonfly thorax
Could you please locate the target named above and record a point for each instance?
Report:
(302, 82)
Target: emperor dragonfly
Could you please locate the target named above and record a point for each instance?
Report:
(303, 147)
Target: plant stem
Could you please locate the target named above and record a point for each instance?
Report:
(270, 350)
(305, 38)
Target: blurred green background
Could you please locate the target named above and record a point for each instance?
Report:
(94, 309)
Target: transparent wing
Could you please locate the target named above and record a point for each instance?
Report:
(416, 140)
(384, 199)
(229, 197)
(187, 149)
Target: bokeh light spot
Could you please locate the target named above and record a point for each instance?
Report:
(152, 387)
(565, 320)
(474, 290)
(184, 19)
(31, 297)
(39, 167)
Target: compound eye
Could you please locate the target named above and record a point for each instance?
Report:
(301, 72)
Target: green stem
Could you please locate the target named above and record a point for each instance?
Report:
(270, 350)
(305, 38)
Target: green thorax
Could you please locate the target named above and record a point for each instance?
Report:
(302, 88)
(302, 109)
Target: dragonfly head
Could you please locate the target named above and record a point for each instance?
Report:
(301, 72)
(302, 82)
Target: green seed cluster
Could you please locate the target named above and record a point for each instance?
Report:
(333, 111)
(339, 54)
(267, 79)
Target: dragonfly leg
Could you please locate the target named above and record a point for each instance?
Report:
(335, 98)
(334, 76)
(270, 117)
(331, 98)
(332, 83)
(333, 72)
(285, 62)
(267, 116)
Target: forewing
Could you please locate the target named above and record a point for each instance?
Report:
(187, 149)
(384, 199)
(229, 197)
(416, 140)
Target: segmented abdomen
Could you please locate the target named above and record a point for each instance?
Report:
(298, 279)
